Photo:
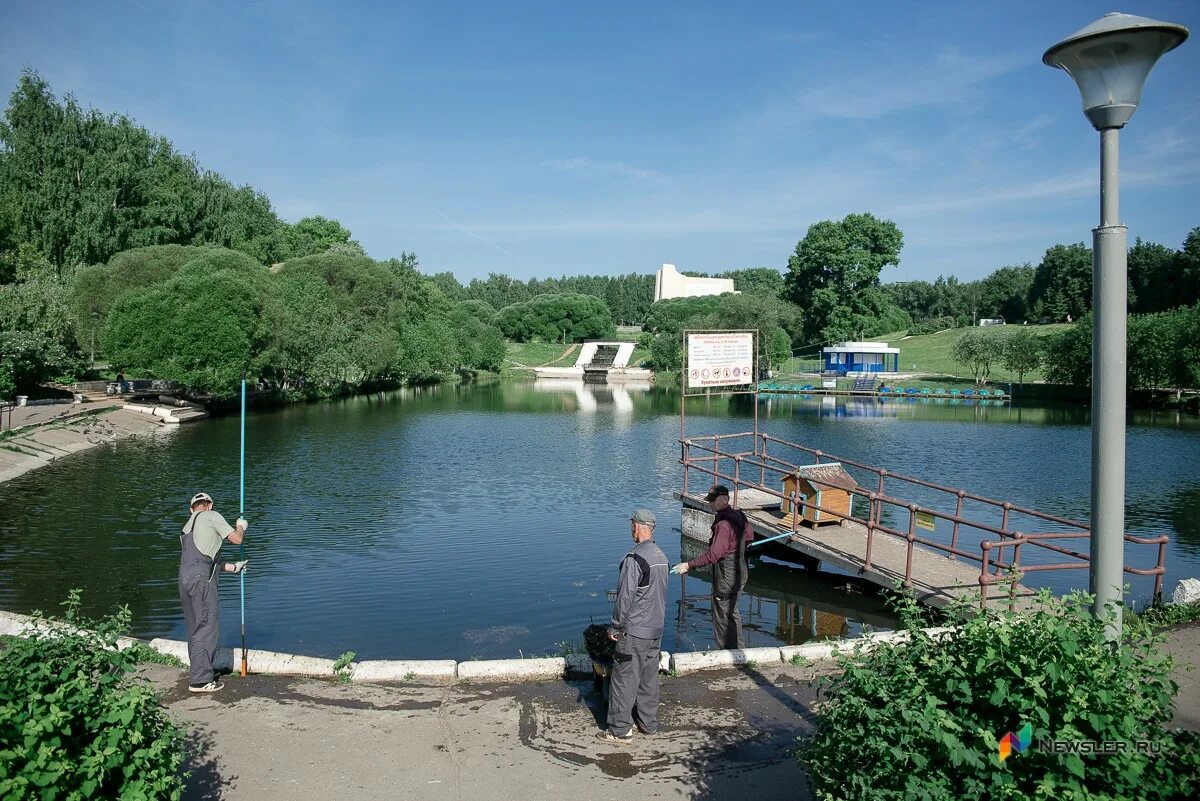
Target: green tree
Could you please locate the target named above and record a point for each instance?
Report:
(317, 234)
(1005, 293)
(1062, 283)
(1068, 354)
(557, 318)
(978, 350)
(37, 332)
(766, 281)
(1021, 353)
(1188, 270)
(1154, 277)
(201, 327)
(834, 273)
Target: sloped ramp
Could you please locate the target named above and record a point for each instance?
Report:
(937, 580)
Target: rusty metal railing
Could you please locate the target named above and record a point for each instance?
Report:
(706, 454)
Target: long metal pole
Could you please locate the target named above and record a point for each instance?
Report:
(241, 513)
(1109, 301)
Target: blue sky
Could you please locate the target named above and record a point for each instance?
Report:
(540, 139)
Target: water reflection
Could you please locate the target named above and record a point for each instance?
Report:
(590, 396)
(781, 604)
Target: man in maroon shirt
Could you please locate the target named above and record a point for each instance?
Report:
(731, 533)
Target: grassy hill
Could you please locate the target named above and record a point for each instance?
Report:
(930, 353)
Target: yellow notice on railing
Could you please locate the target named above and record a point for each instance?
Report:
(925, 520)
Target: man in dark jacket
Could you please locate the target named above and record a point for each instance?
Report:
(637, 627)
(731, 533)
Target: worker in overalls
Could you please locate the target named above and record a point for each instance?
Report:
(731, 533)
(201, 540)
(637, 628)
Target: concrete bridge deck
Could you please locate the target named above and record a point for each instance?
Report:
(937, 579)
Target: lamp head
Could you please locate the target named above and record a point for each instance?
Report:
(1110, 60)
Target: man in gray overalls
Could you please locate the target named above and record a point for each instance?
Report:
(637, 627)
(201, 541)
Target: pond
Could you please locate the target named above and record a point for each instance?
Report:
(487, 521)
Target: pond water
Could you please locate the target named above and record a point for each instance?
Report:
(488, 521)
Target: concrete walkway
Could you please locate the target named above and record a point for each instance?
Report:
(727, 734)
(63, 433)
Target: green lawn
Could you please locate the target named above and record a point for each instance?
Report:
(930, 354)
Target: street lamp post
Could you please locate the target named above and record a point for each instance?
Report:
(1109, 61)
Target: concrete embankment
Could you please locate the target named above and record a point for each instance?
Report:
(495, 670)
(70, 431)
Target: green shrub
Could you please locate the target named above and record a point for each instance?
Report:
(924, 720)
(73, 724)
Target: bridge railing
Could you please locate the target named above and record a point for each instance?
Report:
(1004, 526)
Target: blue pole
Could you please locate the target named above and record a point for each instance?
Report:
(242, 513)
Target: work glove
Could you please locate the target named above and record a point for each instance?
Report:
(238, 567)
(242, 524)
(680, 568)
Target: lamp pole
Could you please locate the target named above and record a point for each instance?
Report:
(1110, 60)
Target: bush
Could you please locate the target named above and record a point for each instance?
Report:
(569, 317)
(72, 722)
(199, 328)
(924, 720)
(932, 326)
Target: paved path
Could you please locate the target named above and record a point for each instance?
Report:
(726, 735)
(1183, 643)
(60, 436)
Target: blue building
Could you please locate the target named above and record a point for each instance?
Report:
(861, 357)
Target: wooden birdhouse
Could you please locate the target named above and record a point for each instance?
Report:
(827, 486)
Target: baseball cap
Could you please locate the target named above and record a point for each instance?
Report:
(718, 489)
(645, 517)
(200, 496)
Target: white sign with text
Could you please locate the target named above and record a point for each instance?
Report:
(718, 359)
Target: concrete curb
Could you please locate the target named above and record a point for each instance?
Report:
(819, 651)
(500, 670)
(513, 669)
(381, 670)
(708, 660)
(256, 661)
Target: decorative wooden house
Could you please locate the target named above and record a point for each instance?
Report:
(827, 486)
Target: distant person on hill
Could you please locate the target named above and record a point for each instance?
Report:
(637, 627)
(731, 532)
(201, 540)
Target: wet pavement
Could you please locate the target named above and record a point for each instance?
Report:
(727, 734)
(730, 734)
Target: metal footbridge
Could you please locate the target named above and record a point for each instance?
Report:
(945, 545)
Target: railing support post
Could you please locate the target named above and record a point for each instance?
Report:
(872, 517)
(912, 535)
(957, 514)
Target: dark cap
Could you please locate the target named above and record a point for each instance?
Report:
(717, 490)
(645, 517)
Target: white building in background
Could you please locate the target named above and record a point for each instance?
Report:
(668, 283)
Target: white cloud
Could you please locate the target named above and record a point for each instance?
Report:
(591, 168)
(890, 89)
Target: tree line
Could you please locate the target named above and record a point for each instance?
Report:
(1058, 289)
(103, 223)
(1163, 351)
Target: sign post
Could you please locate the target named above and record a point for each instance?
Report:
(722, 361)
